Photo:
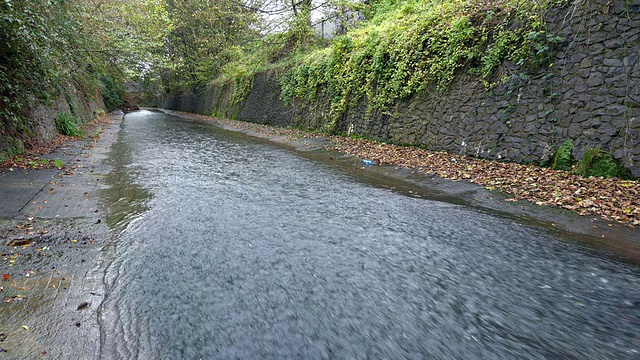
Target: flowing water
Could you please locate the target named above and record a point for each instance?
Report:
(232, 247)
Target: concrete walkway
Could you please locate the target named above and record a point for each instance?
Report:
(52, 230)
(66, 193)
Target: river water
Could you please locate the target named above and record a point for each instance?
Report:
(231, 247)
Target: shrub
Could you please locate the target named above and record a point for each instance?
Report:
(67, 125)
(599, 163)
(112, 94)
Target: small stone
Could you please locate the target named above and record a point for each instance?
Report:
(581, 88)
(577, 57)
(614, 43)
(607, 129)
(615, 110)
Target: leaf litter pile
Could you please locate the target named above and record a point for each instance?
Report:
(612, 199)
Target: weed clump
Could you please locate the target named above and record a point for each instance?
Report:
(67, 125)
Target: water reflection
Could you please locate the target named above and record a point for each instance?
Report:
(124, 199)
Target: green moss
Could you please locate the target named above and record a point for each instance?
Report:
(12, 146)
(562, 159)
(599, 163)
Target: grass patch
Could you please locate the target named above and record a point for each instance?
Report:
(67, 125)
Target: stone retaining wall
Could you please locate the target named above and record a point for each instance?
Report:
(39, 123)
(591, 95)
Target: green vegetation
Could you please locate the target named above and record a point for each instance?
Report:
(57, 163)
(599, 163)
(112, 93)
(563, 158)
(51, 51)
(67, 125)
(402, 48)
(412, 47)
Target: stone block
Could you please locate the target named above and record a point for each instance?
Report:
(607, 130)
(618, 92)
(575, 130)
(618, 122)
(630, 60)
(615, 110)
(614, 43)
(576, 58)
(586, 63)
(616, 80)
(580, 88)
(595, 79)
(596, 49)
(583, 73)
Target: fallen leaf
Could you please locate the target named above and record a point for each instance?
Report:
(82, 305)
(25, 327)
(6, 277)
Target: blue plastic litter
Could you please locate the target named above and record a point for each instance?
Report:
(367, 162)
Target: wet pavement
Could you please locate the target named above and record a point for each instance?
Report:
(51, 236)
(205, 243)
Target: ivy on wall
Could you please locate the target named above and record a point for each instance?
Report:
(414, 47)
